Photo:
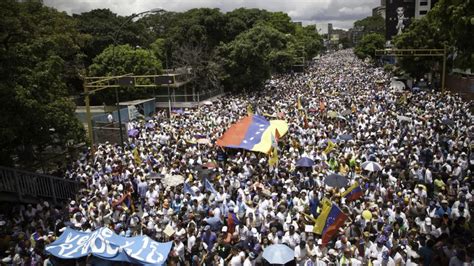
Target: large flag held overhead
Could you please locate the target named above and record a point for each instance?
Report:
(253, 133)
(353, 193)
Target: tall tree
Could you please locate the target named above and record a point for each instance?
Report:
(246, 59)
(99, 25)
(124, 59)
(102, 26)
(242, 19)
(369, 43)
(39, 47)
(372, 24)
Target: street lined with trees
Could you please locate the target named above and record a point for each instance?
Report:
(45, 53)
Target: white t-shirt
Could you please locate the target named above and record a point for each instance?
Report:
(300, 255)
(237, 260)
(249, 262)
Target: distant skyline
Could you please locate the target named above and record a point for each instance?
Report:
(341, 13)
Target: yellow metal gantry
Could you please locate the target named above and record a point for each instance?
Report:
(418, 52)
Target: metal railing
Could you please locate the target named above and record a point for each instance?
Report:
(188, 97)
(25, 185)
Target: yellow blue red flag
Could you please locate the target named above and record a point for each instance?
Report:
(253, 133)
(353, 192)
(332, 217)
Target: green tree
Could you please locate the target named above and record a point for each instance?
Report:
(281, 22)
(123, 59)
(242, 19)
(99, 25)
(369, 43)
(246, 59)
(372, 24)
(39, 47)
(308, 40)
(199, 26)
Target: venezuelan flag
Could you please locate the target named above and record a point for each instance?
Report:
(253, 133)
(333, 218)
(353, 193)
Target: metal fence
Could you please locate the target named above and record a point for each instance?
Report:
(25, 186)
(183, 96)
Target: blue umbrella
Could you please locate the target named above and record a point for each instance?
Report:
(133, 132)
(336, 180)
(345, 137)
(149, 125)
(304, 162)
(278, 254)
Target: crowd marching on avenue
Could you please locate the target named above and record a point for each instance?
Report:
(366, 174)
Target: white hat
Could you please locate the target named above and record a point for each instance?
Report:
(254, 232)
(428, 221)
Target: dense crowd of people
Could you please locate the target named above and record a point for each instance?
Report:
(419, 202)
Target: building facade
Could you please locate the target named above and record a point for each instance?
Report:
(423, 6)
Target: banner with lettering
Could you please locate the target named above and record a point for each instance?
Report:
(105, 244)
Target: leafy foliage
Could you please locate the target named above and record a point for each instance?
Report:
(372, 24)
(369, 43)
(38, 50)
(247, 58)
(120, 60)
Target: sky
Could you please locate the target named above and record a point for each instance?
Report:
(341, 13)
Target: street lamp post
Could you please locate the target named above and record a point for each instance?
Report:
(115, 39)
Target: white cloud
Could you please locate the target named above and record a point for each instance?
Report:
(342, 13)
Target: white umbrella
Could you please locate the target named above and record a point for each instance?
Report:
(371, 166)
(204, 141)
(278, 254)
(173, 180)
(403, 118)
(207, 102)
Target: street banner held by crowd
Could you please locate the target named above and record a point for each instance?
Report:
(105, 244)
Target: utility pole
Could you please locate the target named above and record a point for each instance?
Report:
(88, 116)
(443, 77)
(115, 39)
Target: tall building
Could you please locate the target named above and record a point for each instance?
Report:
(423, 6)
(380, 10)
